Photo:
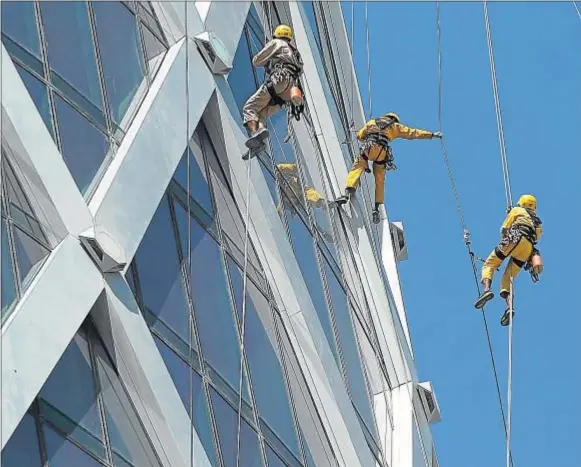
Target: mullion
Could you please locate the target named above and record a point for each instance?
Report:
(99, 396)
(100, 73)
(47, 79)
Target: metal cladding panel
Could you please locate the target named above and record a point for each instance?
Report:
(42, 326)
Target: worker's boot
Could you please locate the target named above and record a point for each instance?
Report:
(505, 320)
(258, 135)
(341, 200)
(486, 295)
(375, 214)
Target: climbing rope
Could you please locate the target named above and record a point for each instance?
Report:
(577, 10)
(189, 241)
(368, 60)
(466, 232)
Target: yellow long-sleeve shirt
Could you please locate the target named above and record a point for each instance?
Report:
(520, 216)
(394, 131)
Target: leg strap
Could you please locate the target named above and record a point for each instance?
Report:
(275, 99)
(518, 262)
(498, 252)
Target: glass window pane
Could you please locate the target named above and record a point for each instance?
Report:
(198, 181)
(154, 50)
(273, 459)
(22, 447)
(39, 94)
(14, 190)
(160, 276)
(29, 253)
(70, 46)
(227, 424)
(8, 285)
(349, 349)
(212, 308)
(126, 434)
(77, 402)
(267, 378)
(241, 78)
(180, 374)
(63, 453)
(121, 55)
(19, 23)
(83, 146)
(305, 254)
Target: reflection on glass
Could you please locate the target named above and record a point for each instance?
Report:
(19, 23)
(8, 285)
(70, 46)
(305, 254)
(212, 308)
(180, 374)
(126, 434)
(198, 181)
(22, 447)
(160, 276)
(349, 349)
(62, 453)
(241, 78)
(83, 146)
(267, 378)
(29, 253)
(227, 424)
(121, 55)
(273, 459)
(154, 50)
(78, 402)
(39, 95)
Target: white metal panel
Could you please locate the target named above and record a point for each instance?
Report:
(136, 180)
(38, 157)
(172, 18)
(227, 20)
(42, 326)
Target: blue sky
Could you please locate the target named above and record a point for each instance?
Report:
(538, 63)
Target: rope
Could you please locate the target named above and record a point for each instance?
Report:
(189, 242)
(577, 9)
(509, 394)
(466, 233)
(503, 156)
(368, 60)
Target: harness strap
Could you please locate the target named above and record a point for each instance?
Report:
(274, 97)
(518, 262)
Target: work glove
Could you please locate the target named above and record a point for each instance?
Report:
(437, 134)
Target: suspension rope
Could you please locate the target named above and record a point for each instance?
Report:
(189, 242)
(368, 60)
(503, 156)
(577, 9)
(466, 233)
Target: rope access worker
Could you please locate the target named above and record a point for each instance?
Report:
(284, 66)
(376, 136)
(519, 234)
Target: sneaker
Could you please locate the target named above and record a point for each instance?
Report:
(505, 320)
(257, 139)
(483, 299)
(375, 217)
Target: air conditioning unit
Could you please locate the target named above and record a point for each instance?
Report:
(429, 402)
(398, 239)
(214, 52)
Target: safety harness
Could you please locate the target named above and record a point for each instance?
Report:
(285, 71)
(514, 234)
(377, 138)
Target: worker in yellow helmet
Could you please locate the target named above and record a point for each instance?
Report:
(520, 232)
(283, 65)
(376, 136)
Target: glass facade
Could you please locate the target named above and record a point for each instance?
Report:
(220, 326)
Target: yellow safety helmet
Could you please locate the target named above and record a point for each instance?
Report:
(392, 115)
(283, 31)
(528, 201)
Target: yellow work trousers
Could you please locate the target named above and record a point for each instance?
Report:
(518, 254)
(376, 153)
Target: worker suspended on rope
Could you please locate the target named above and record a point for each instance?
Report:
(519, 234)
(376, 136)
(284, 66)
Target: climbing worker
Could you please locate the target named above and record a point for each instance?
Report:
(519, 234)
(376, 136)
(284, 66)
